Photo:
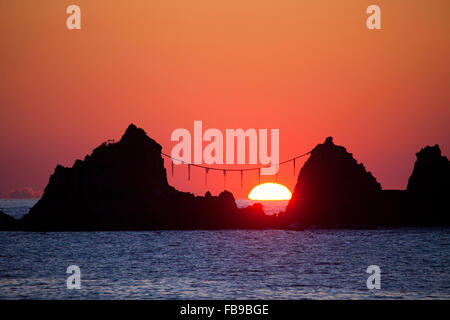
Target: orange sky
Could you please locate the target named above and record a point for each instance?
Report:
(309, 68)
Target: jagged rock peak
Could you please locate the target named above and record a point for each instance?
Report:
(429, 153)
(328, 147)
(133, 132)
(335, 160)
(137, 135)
(431, 171)
(332, 187)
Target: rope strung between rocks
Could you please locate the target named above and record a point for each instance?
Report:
(207, 168)
(246, 169)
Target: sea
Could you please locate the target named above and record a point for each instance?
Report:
(412, 263)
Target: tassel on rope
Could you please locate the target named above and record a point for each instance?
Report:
(242, 178)
(276, 174)
(189, 172)
(259, 175)
(171, 160)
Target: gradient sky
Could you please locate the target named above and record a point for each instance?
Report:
(310, 68)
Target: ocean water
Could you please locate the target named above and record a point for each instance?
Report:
(17, 208)
(229, 264)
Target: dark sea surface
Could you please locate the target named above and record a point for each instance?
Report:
(229, 264)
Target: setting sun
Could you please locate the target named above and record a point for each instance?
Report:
(270, 191)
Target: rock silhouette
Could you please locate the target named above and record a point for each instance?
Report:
(428, 188)
(7, 222)
(123, 186)
(333, 189)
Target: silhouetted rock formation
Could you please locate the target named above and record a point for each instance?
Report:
(123, 186)
(7, 222)
(429, 188)
(333, 189)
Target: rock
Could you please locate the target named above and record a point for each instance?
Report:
(123, 186)
(429, 188)
(333, 190)
(7, 222)
(393, 209)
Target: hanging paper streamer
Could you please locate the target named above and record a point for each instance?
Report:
(224, 178)
(294, 165)
(225, 170)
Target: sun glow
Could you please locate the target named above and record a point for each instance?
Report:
(270, 191)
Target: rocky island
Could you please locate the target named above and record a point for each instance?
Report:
(334, 190)
(123, 186)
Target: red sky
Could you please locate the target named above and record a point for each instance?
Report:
(309, 68)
